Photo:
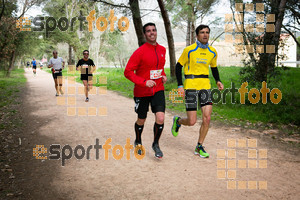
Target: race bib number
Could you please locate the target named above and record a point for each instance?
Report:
(155, 74)
(55, 70)
(85, 66)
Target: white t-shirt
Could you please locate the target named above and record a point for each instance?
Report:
(57, 62)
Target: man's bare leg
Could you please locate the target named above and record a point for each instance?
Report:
(85, 84)
(56, 86)
(90, 83)
(206, 113)
(59, 78)
(190, 120)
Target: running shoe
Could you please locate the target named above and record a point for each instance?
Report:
(139, 150)
(156, 149)
(56, 94)
(175, 126)
(87, 99)
(199, 150)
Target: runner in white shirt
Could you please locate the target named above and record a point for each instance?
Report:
(41, 65)
(57, 64)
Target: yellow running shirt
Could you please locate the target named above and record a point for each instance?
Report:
(196, 61)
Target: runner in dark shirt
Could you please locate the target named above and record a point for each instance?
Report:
(87, 67)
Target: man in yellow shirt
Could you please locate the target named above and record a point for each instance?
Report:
(195, 61)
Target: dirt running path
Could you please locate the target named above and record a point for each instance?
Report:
(179, 175)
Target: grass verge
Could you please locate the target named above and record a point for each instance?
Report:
(10, 88)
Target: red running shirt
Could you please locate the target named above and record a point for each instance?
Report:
(147, 59)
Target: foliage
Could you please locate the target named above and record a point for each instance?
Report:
(114, 48)
(188, 13)
(76, 38)
(13, 42)
(263, 63)
(7, 30)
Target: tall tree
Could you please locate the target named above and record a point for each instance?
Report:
(69, 9)
(169, 34)
(292, 19)
(261, 66)
(136, 17)
(190, 12)
(137, 21)
(266, 63)
(109, 40)
(10, 37)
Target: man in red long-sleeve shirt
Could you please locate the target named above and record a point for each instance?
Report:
(145, 69)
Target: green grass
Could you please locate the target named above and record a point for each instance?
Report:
(9, 93)
(283, 113)
(116, 81)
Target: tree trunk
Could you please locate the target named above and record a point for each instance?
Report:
(120, 61)
(193, 21)
(278, 24)
(70, 55)
(266, 63)
(188, 33)
(3, 8)
(75, 54)
(137, 21)
(246, 41)
(13, 54)
(169, 33)
(11, 63)
(193, 34)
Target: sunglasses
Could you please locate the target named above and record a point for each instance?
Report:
(85, 53)
(54, 53)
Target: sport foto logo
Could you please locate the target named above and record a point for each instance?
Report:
(235, 27)
(66, 152)
(63, 23)
(217, 95)
(73, 90)
(234, 160)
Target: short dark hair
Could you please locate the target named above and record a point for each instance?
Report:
(200, 27)
(85, 51)
(148, 24)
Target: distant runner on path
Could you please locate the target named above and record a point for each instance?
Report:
(57, 64)
(28, 65)
(87, 67)
(41, 65)
(33, 63)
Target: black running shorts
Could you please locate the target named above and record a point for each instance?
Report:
(197, 98)
(87, 77)
(55, 75)
(157, 101)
